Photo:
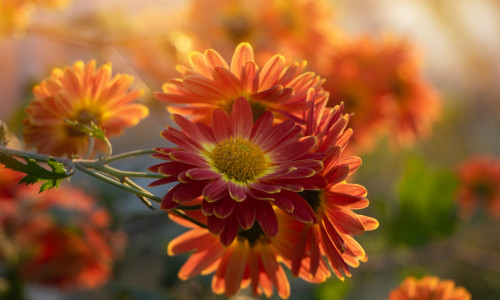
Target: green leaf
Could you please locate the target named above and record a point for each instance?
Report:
(92, 129)
(427, 207)
(36, 173)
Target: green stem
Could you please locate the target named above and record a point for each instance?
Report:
(127, 155)
(117, 183)
(35, 156)
(100, 166)
(190, 207)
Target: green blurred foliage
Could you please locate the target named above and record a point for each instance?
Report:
(332, 290)
(426, 204)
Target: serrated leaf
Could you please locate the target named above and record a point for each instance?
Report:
(36, 173)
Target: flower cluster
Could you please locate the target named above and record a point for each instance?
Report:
(429, 288)
(261, 166)
(479, 179)
(57, 238)
(85, 95)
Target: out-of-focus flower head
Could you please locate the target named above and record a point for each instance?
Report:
(15, 14)
(241, 169)
(429, 288)
(61, 237)
(381, 83)
(83, 94)
(300, 29)
(332, 235)
(252, 259)
(211, 83)
(479, 185)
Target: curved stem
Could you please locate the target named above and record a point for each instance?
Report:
(36, 156)
(127, 155)
(120, 174)
(117, 183)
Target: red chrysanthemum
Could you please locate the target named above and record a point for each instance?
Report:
(59, 237)
(332, 235)
(429, 288)
(252, 259)
(211, 83)
(83, 94)
(240, 168)
(381, 83)
(479, 179)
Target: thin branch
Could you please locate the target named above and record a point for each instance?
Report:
(117, 183)
(127, 155)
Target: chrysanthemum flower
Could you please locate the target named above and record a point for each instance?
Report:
(211, 83)
(83, 94)
(332, 235)
(479, 184)
(240, 168)
(61, 238)
(429, 288)
(381, 82)
(252, 259)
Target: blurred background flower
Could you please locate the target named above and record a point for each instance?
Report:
(58, 238)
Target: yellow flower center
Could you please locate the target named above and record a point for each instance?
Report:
(238, 159)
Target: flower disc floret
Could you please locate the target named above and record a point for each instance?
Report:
(238, 159)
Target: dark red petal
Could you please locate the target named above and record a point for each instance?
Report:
(285, 152)
(283, 202)
(302, 210)
(245, 213)
(215, 190)
(241, 118)
(220, 125)
(337, 175)
(237, 192)
(168, 202)
(188, 158)
(266, 218)
(202, 174)
(224, 207)
(262, 126)
(227, 236)
(216, 225)
(207, 208)
(188, 191)
(299, 250)
(266, 188)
